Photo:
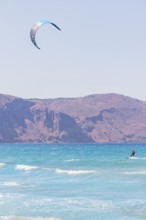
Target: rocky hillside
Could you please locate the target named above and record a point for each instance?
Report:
(106, 118)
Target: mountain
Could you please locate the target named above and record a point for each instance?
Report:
(104, 118)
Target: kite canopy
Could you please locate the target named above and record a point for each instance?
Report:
(36, 26)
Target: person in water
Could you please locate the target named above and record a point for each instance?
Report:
(132, 153)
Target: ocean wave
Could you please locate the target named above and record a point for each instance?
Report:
(71, 160)
(89, 204)
(135, 173)
(27, 218)
(9, 184)
(30, 168)
(75, 172)
(25, 167)
(2, 164)
(45, 168)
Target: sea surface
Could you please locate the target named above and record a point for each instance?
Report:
(72, 182)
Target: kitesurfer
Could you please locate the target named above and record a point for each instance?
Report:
(132, 153)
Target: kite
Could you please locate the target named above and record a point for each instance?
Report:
(36, 26)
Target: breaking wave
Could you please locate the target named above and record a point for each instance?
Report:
(9, 184)
(2, 164)
(26, 167)
(75, 172)
(27, 218)
(135, 173)
(71, 160)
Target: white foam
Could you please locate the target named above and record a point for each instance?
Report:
(45, 168)
(11, 195)
(71, 160)
(137, 158)
(27, 218)
(135, 173)
(26, 167)
(10, 184)
(2, 164)
(86, 204)
(75, 172)
(132, 158)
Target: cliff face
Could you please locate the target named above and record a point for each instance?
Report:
(92, 119)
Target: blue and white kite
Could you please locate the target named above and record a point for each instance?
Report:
(36, 26)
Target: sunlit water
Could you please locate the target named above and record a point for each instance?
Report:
(72, 182)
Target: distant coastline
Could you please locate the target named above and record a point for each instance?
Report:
(99, 118)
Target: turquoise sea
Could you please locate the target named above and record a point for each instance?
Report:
(72, 182)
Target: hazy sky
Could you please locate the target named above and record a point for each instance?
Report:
(101, 48)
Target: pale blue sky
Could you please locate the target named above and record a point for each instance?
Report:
(101, 48)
